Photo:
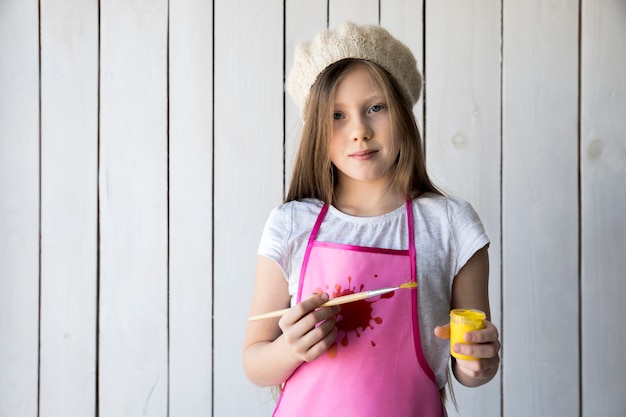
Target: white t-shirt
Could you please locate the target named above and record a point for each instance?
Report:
(447, 233)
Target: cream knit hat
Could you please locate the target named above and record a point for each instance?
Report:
(371, 43)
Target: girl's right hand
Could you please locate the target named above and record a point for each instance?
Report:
(309, 330)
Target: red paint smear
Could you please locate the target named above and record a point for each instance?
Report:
(355, 317)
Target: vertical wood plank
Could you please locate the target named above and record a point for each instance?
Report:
(69, 166)
(356, 11)
(603, 175)
(133, 338)
(405, 20)
(19, 207)
(540, 214)
(191, 153)
(248, 180)
(303, 20)
(463, 137)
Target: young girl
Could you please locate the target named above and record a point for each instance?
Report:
(362, 214)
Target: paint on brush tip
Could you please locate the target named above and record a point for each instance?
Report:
(409, 285)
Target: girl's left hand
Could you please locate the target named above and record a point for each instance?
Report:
(482, 344)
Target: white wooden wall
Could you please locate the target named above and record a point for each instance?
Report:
(143, 143)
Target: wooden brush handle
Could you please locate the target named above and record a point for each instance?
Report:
(333, 302)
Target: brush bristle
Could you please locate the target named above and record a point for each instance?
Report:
(409, 285)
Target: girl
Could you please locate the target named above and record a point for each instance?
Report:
(361, 214)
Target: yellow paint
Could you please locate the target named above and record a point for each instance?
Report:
(461, 322)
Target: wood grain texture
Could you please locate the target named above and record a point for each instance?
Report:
(463, 140)
(69, 212)
(248, 180)
(191, 207)
(19, 207)
(133, 322)
(540, 208)
(603, 199)
(304, 20)
(404, 19)
(356, 11)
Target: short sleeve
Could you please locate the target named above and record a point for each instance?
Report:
(275, 237)
(468, 231)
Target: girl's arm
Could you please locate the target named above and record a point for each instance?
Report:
(274, 348)
(470, 290)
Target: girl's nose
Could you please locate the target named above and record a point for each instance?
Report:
(361, 130)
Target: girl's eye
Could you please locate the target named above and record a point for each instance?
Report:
(337, 116)
(376, 108)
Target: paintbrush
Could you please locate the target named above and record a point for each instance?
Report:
(340, 300)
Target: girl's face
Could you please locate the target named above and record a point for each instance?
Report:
(362, 146)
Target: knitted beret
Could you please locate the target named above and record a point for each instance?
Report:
(371, 43)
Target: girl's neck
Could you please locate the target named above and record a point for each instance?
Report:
(365, 200)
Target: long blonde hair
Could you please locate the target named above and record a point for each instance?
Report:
(314, 175)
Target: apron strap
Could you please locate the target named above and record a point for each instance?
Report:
(417, 340)
(307, 252)
(411, 232)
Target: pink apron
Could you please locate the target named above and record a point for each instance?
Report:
(376, 366)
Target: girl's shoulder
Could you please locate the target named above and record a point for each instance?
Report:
(287, 222)
(443, 206)
(305, 207)
(306, 204)
(295, 212)
(438, 201)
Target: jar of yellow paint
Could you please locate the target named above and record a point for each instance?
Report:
(461, 322)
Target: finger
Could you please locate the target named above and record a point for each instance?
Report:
(487, 335)
(481, 369)
(321, 346)
(443, 332)
(317, 317)
(316, 339)
(297, 312)
(480, 351)
(319, 332)
(308, 330)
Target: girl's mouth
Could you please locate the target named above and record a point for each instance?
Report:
(363, 155)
